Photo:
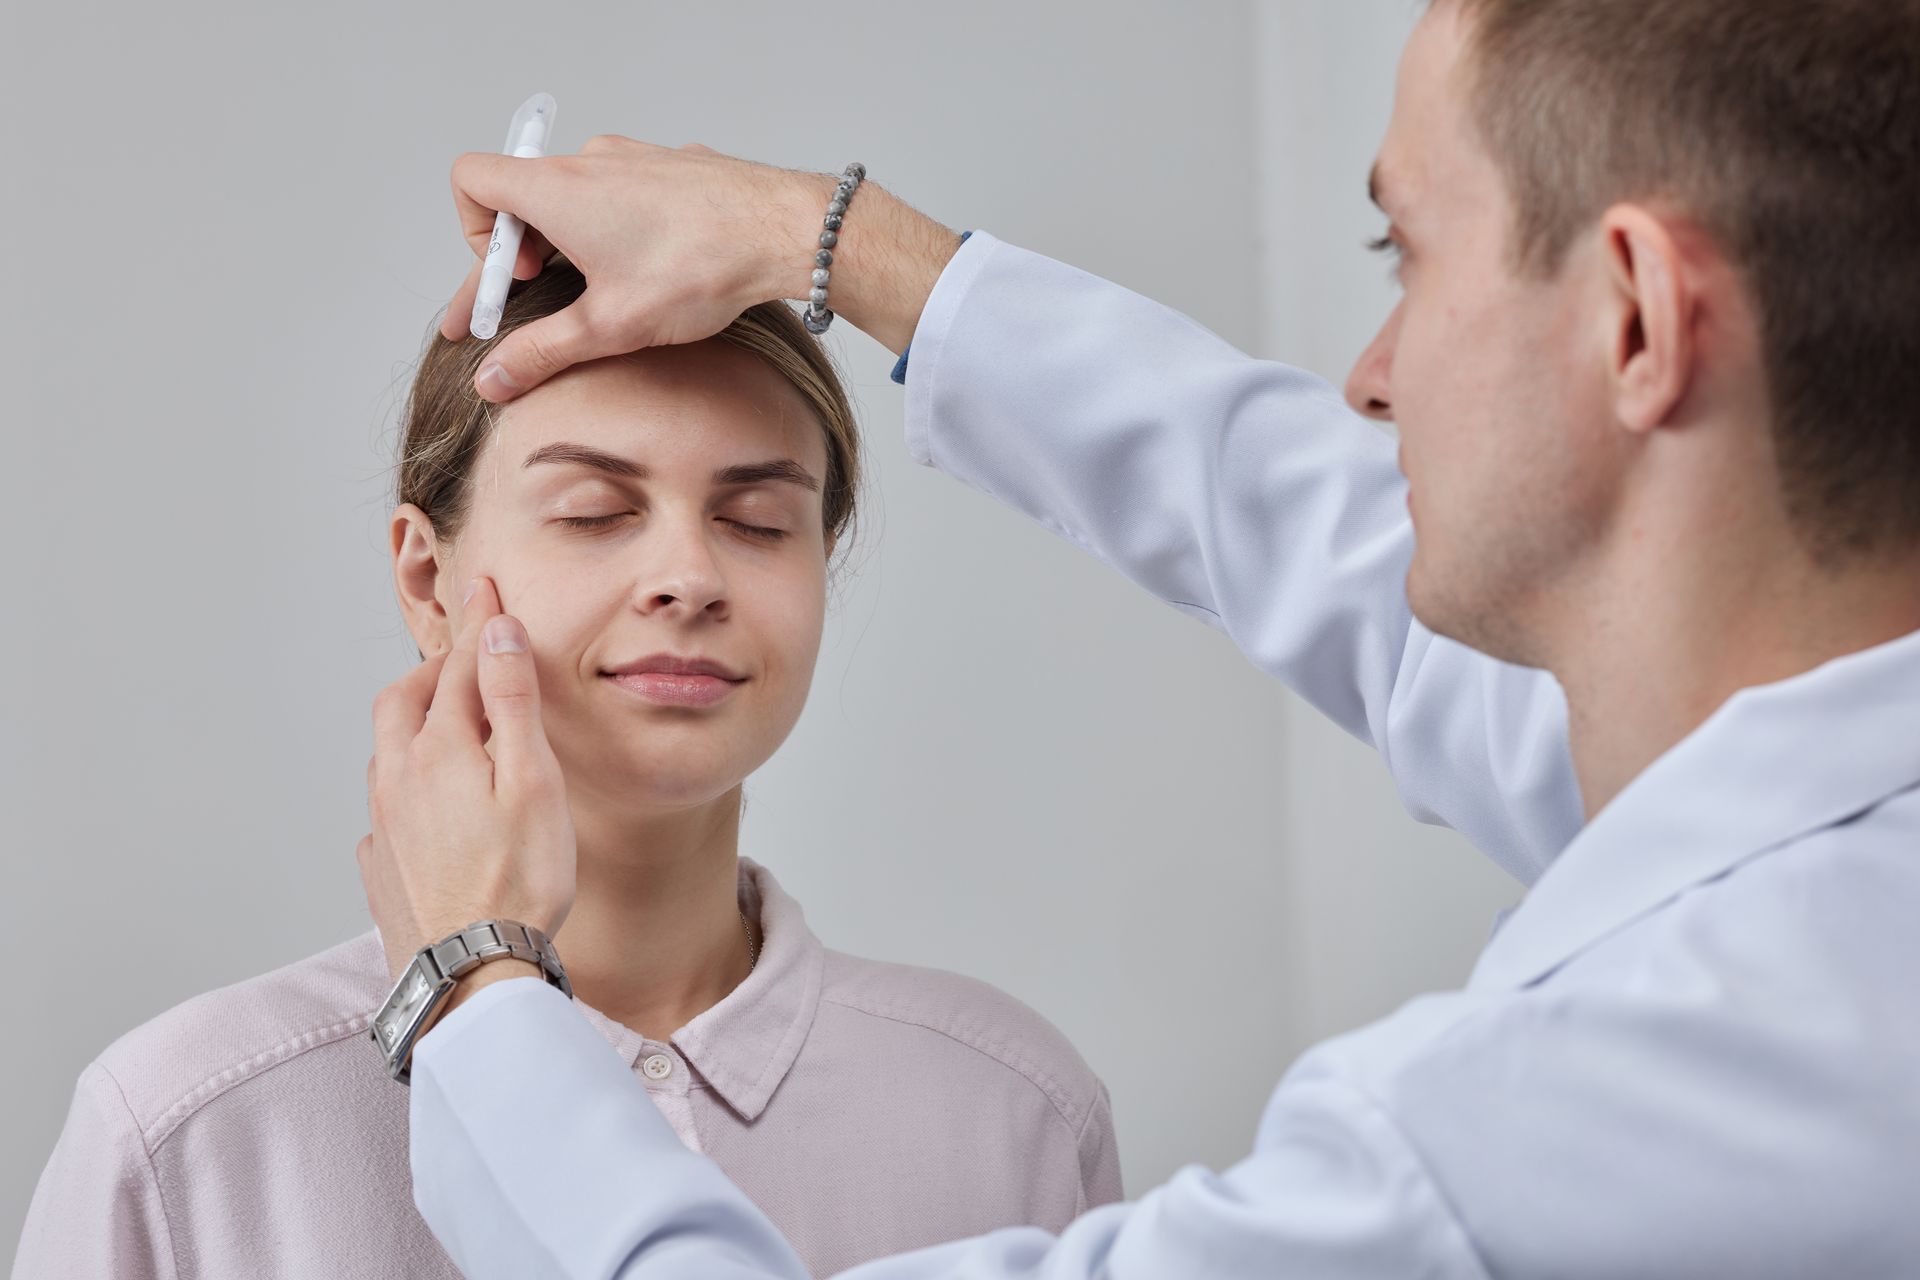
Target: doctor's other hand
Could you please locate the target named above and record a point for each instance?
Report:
(675, 242)
(468, 824)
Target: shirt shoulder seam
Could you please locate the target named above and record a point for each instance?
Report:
(1080, 1196)
(146, 1162)
(169, 1121)
(996, 1050)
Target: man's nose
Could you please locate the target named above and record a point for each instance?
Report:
(1369, 385)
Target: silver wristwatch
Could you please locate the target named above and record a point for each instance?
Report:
(429, 977)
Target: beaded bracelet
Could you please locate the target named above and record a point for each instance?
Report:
(816, 316)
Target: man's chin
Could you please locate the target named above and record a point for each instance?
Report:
(1468, 617)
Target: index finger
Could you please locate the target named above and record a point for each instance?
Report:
(457, 709)
(486, 182)
(534, 249)
(454, 325)
(400, 711)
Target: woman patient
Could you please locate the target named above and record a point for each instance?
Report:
(663, 524)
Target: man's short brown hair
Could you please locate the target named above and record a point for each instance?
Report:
(1789, 130)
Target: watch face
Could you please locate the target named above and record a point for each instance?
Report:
(405, 1005)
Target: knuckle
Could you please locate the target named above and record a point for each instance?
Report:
(542, 353)
(526, 783)
(512, 696)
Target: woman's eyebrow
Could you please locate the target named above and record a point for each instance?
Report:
(774, 470)
(782, 470)
(583, 455)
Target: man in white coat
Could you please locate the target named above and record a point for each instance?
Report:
(1636, 607)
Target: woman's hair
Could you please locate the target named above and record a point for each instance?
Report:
(447, 422)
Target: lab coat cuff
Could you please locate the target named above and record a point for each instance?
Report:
(515, 1098)
(930, 340)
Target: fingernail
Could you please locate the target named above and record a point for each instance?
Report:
(504, 635)
(473, 585)
(493, 377)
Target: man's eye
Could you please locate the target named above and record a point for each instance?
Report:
(592, 522)
(1388, 245)
(757, 531)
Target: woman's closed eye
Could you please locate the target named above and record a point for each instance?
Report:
(764, 532)
(593, 522)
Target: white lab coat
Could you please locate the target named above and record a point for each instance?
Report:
(1693, 1050)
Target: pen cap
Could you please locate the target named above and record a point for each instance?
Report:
(532, 125)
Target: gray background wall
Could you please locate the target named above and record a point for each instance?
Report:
(230, 237)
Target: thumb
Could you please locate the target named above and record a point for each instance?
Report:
(510, 693)
(529, 355)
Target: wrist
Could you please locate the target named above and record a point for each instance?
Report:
(442, 976)
(486, 975)
(885, 264)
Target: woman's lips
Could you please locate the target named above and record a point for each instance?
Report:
(677, 690)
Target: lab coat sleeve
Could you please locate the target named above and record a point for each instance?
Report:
(579, 1176)
(1246, 494)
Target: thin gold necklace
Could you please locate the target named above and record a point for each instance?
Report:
(753, 947)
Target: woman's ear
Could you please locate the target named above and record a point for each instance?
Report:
(416, 576)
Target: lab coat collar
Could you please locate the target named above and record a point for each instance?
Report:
(1775, 762)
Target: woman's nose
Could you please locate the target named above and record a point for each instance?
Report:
(682, 575)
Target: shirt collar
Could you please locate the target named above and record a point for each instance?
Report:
(1775, 762)
(744, 1045)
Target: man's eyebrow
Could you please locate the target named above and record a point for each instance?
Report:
(1373, 187)
(583, 455)
(775, 470)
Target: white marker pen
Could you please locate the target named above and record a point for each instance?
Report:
(527, 136)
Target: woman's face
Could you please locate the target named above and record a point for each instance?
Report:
(655, 521)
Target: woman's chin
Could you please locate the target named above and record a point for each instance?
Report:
(652, 783)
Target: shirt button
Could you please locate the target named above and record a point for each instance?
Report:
(657, 1067)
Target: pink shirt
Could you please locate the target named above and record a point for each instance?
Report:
(867, 1108)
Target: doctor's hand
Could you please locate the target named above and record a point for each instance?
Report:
(467, 825)
(677, 242)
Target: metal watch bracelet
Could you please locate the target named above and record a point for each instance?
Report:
(428, 979)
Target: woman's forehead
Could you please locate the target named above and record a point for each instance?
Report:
(700, 402)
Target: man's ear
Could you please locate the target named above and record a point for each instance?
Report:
(1653, 304)
(416, 576)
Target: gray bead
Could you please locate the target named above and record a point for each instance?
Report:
(820, 275)
(838, 206)
(817, 295)
(844, 190)
(833, 221)
(857, 170)
(828, 239)
(816, 320)
(824, 258)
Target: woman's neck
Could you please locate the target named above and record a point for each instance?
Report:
(655, 936)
